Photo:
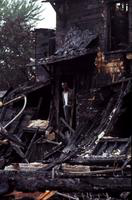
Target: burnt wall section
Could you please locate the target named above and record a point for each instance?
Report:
(117, 24)
(130, 22)
(110, 19)
(86, 14)
(45, 38)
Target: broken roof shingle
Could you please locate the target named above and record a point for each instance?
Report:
(77, 42)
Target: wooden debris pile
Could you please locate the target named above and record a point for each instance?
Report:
(92, 162)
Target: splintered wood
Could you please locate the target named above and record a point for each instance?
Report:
(75, 168)
(42, 124)
(114, 67)
(20, 195)
(46, 195)
(25, 166)
(36, 195)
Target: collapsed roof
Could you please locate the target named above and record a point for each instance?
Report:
(77, 42)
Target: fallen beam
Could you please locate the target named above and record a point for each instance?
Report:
(98, 160)
(67, 125)
(40, 181)
(9, 137)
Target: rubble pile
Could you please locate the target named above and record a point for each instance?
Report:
(44, 155)
(91, 163)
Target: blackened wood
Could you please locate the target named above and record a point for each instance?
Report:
(70, 149)
(17, 149)
(27, 155)
(12, 138)
(114, 139)
(2, 162)
(116, 83)
(67, 125)
(32, 130)
(33, 181)
(38, 108)
(101, 150)
(98, 160)
(124, 149)
(85, 173)
(54, 150)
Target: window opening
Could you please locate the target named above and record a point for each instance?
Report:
(118, 25)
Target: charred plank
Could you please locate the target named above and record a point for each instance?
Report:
(33, 181)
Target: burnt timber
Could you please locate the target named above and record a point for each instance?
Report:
(91, 157)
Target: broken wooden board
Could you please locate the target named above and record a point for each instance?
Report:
(25, 167)
(39, 181)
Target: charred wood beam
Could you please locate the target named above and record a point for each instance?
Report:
(63, 157)
(33, 181)
(100, 151)
(97, 160)
(15, 142)
(32, 130)
(70, 149)
(67, 125)
(17, 149)
(78, 171)
(115, 83)
(11, 138)
(107, 124)
(55, 150)
(114, 139)
(127, 145)
(27, 154)
(105, 172)
(92, 134)
(33, 87)
(51, 142)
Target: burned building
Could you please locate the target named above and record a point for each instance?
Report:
(110, 19)
(89, 157)
(93, 47)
